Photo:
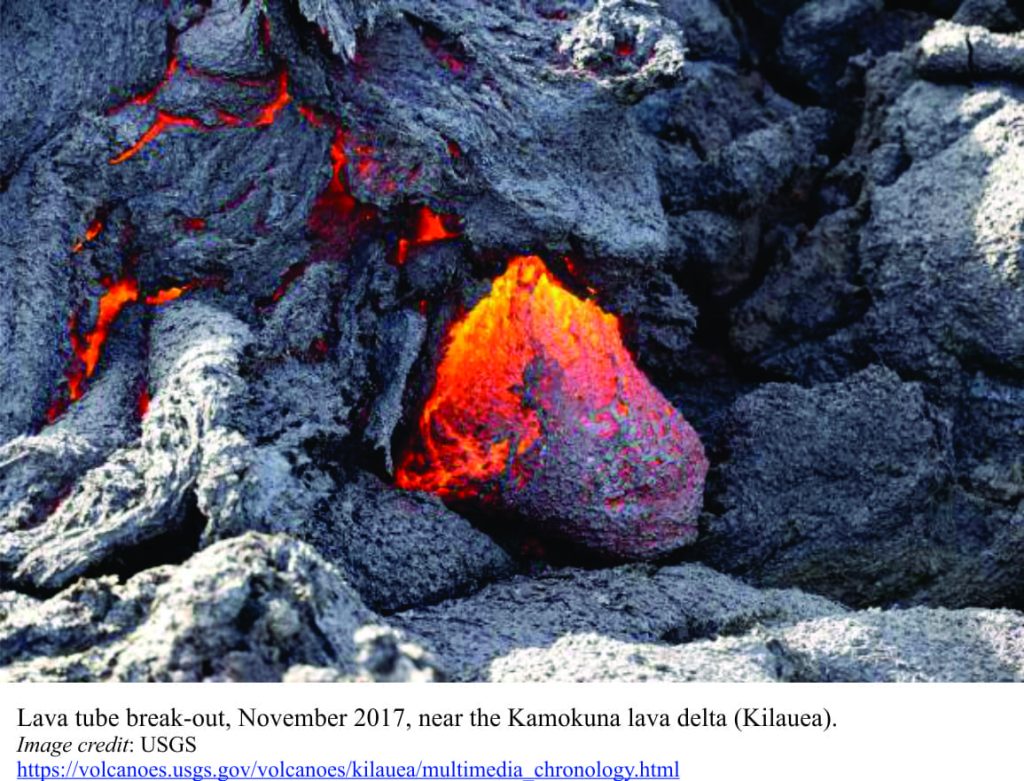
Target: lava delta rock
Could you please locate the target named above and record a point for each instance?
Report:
(253, 608)
(539, 411)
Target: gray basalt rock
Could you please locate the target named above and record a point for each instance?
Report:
(227, 43)
(801, 321)
(399, 548)
(836, 489)
(117, 49)
(872, 646)
(344, 20)
(961, 52)
(710, 35)
(630, 47)
(779, 190)
(139, 494)
(251, 608)
(635, 603)
(817, 41)
(995, 15)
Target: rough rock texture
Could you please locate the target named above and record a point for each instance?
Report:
(961, 146)
(248, 609)
(139, 494)
(633, 604)
(914, 645)
(377, 536)
(536, 399)
(951, 50)
(234, 238)
(874, 533)
(819, 38)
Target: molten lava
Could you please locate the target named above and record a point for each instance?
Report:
(337, 217)
(311, 116)
(163, 121)
(147, 97)
(539, 411)
(165, 296)
(92, 230)
(430, 227)
(451, 57)
(268, 113)
(142, 400)
(87, 348)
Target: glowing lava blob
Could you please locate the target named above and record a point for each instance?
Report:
(538, 411)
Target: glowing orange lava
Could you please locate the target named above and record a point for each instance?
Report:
(163, 121)
(92, 230)
(311, 116)
(447, 56)
(88, 348)
(477, 419)
(142, 402)
(539, 410)
(147, 97)
(430, 227)
(165, 296)
(268, 113)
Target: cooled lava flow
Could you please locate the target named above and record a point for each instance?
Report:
(538, 411)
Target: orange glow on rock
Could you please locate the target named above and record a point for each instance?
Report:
(89, 347)
(539, 411)
(227, 118)
(311, 116)
(163, 121)
(337, 216)
(268, 113)
(430, 227)
(57, 408)
(165, 296)
(445, 55)
(147, 97)
(142, 402)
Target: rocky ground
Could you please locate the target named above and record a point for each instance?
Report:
(807, 215)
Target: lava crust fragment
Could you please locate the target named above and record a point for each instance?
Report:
(539, 412)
